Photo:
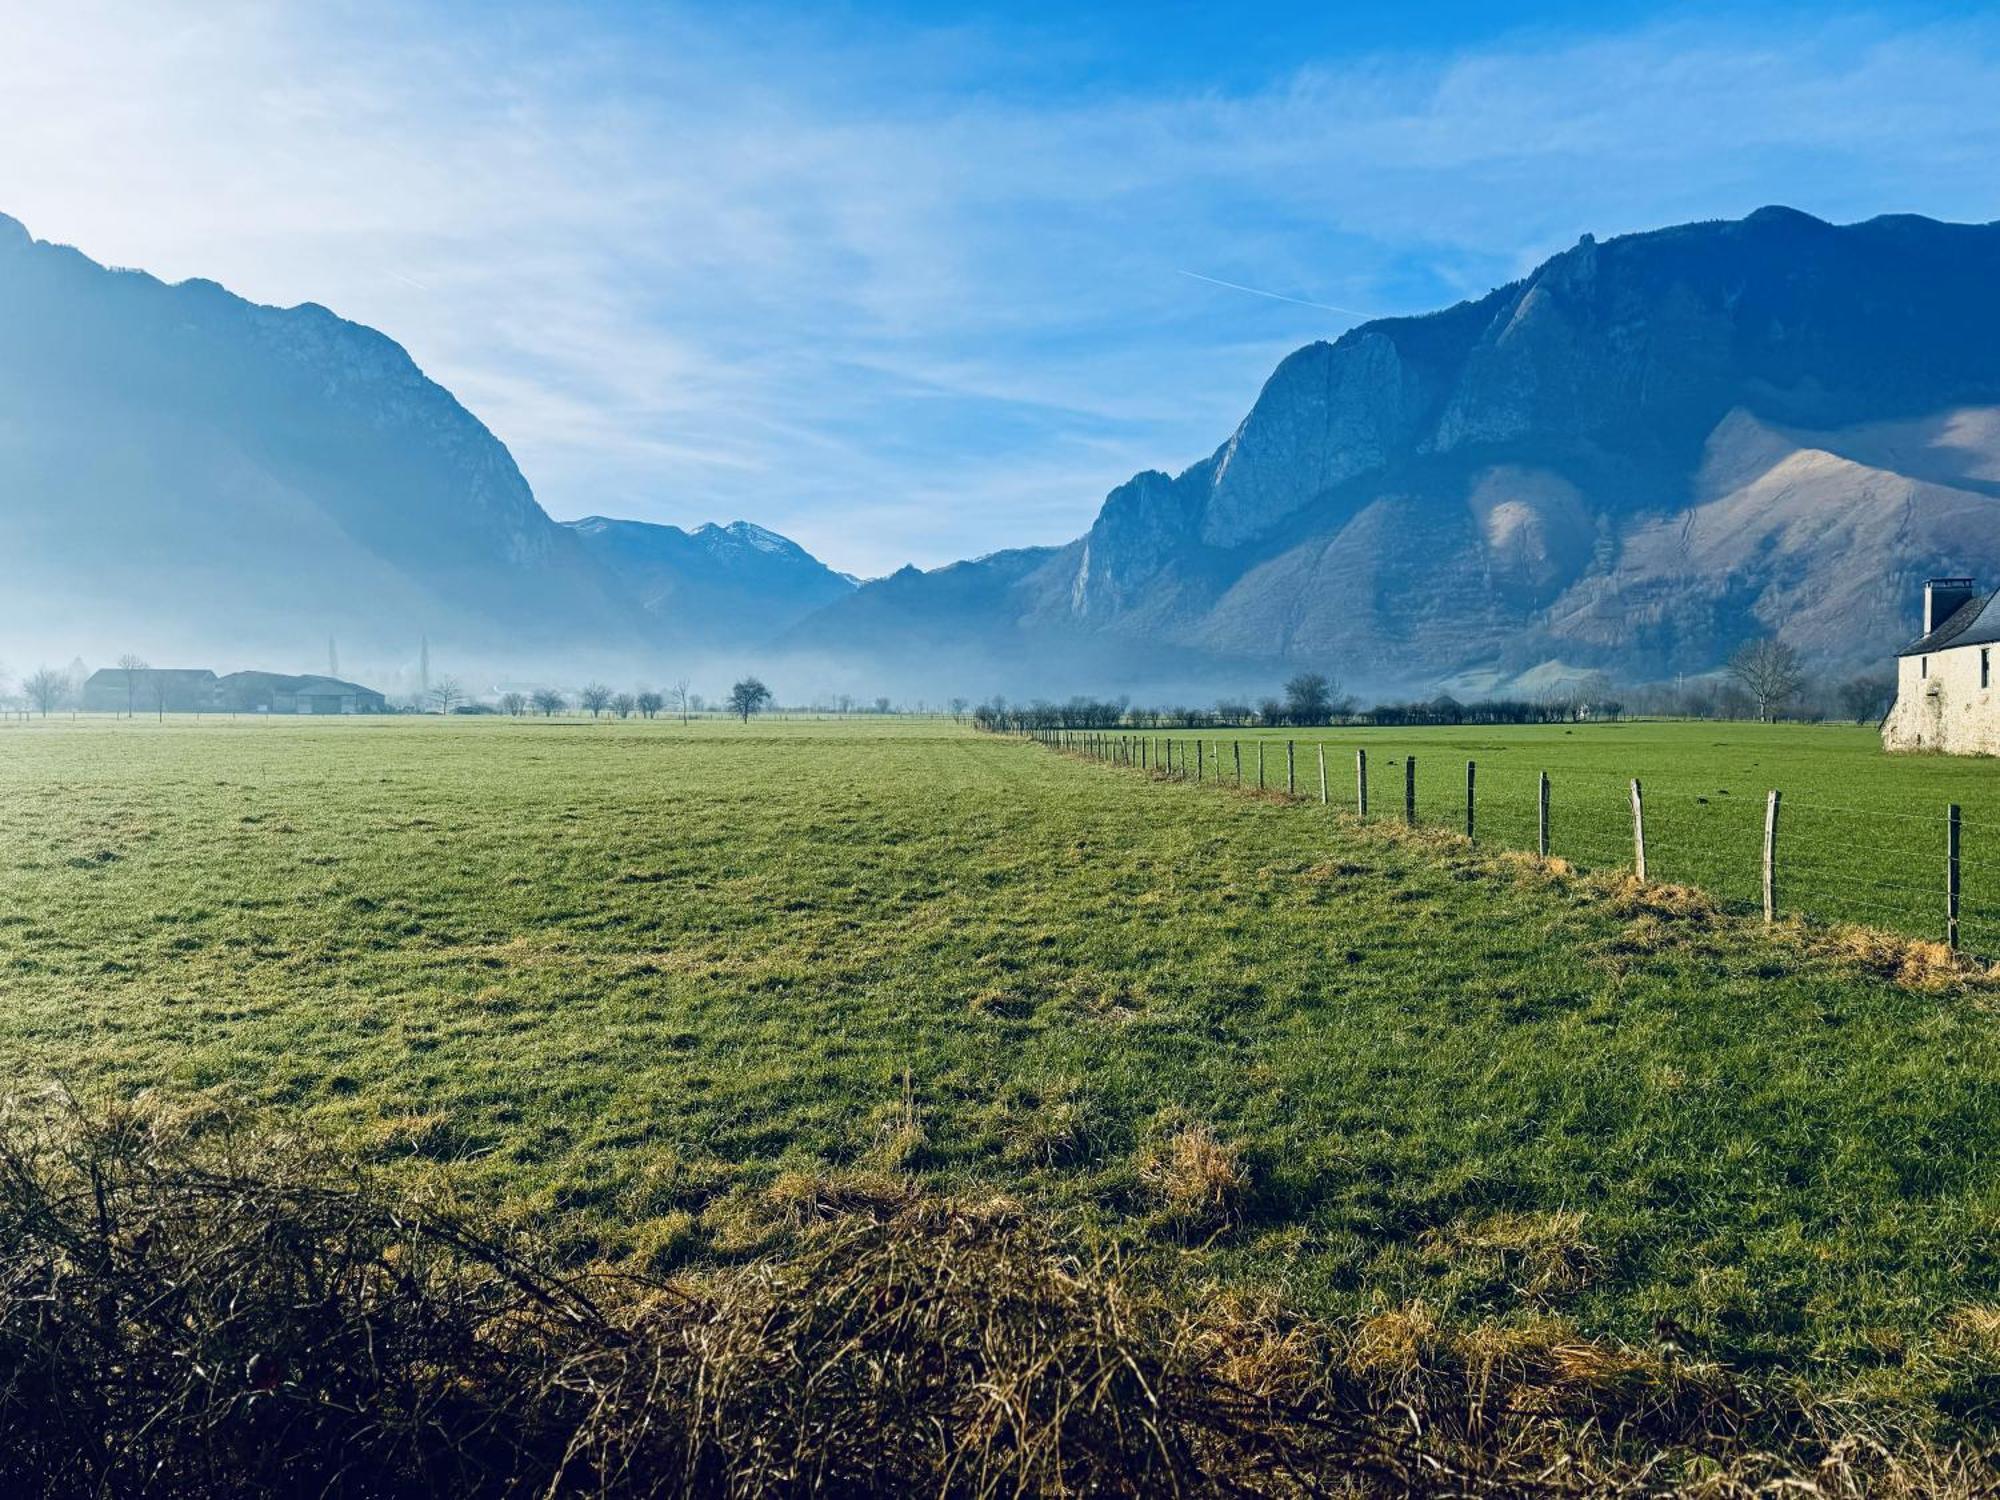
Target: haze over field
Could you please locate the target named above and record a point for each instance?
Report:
(766, 339)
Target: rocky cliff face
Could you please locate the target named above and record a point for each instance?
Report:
(182, 470)
(1645, 452)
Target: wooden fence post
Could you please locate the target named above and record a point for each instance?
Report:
(1361, 782)
(1542, 819)
(1771, 856)
(1260, 765)
(1951, 877)
(1291, 771)
(1410, 790)
(1638, 832)
(1469, 772)
(1236, 748)
(1322, 776)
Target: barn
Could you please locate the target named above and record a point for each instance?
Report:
(1945, 689)
(279, 693)
(145, 690)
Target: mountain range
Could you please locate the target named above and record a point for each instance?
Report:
(1645, 452)
(1641, 454)
(184, 470)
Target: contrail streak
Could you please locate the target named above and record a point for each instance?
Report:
(1237, 286)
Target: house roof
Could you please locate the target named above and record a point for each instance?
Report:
(1971, 624)
(309, 685)
(116, 675)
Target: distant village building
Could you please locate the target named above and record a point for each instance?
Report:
(1946, 696)
(199, 691)
(151, 689)
(274, 693)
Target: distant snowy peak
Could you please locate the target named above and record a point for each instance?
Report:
(743, 534)
(735, 582)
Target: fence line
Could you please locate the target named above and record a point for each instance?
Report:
(1812, 858)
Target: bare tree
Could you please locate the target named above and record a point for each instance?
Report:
(1770, 672)
(650, 703)
(747, 697)
(680, 697)
(131, 665)
(1309, 698)
(594, 696)
(1865, 697)
(622, 705)
(549, 702)
(46, 689)
(881, 705)
(515, 704)
(446, 694)
(958, 706)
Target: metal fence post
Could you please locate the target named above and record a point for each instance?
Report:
(1322, 776)
(1469, 773)
(1542, 819)
(1361, 782)
(1410, 790)
(1291, 771)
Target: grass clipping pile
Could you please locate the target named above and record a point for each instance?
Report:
(193, 1303)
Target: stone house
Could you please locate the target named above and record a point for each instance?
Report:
(1947, 697)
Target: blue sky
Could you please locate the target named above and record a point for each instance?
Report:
(913, 282)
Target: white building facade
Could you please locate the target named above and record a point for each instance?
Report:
(1948, 678)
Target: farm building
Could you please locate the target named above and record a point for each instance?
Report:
(199, 691)
(1946, 695)
(276, 693)
(177, 690)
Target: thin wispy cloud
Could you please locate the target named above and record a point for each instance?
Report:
(1256, 291)
(917, 291)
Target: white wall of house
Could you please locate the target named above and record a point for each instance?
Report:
(1944, 702)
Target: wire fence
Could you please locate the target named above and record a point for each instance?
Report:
(1916, 873)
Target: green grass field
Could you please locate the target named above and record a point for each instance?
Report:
(629, 975)
(1862, 835)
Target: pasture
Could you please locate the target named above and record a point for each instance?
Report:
(1862, 835)
(632, 979)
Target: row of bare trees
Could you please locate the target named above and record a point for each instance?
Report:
(598, 699)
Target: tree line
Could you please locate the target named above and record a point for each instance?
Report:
(1764, 679)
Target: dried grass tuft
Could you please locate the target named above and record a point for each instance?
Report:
(195, 1303)
(1542, 1256)
(1913, 962)
(1201, 1182)
(1667, 903)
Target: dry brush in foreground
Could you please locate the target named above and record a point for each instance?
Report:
(192, 1302)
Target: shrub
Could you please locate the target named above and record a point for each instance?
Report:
(193, 1302)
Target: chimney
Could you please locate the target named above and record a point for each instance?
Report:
(1942, 599)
